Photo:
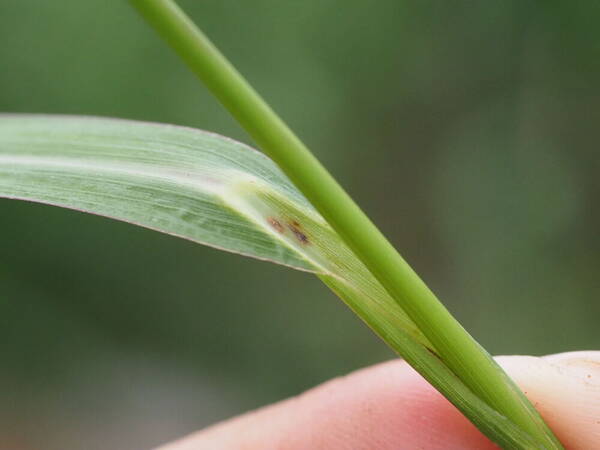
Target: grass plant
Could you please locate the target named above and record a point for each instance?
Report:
(285, 208)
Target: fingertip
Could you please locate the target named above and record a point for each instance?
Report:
(390, 406)
(384, 407)
(565, 389)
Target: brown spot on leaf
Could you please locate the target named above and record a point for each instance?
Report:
(275, 224)
(295, 228)
(432, 352)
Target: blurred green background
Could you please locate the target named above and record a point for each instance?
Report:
(467, 130)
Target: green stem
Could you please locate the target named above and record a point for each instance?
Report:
(459, 351)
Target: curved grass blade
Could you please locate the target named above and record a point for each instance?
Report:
(167, 178)
(459, 351)
(218, 192)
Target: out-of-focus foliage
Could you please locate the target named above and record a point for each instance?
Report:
(467, 131)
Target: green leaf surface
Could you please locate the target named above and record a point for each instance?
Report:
(215, 191)
(168, 178)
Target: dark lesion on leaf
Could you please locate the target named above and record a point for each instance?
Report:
(296, 228)
(275, 224)
(433, 352)
(293, 225)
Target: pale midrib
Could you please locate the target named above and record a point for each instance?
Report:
(214, 187)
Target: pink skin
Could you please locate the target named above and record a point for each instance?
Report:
(389, 406)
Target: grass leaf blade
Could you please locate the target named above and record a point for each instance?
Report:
(215, 191)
